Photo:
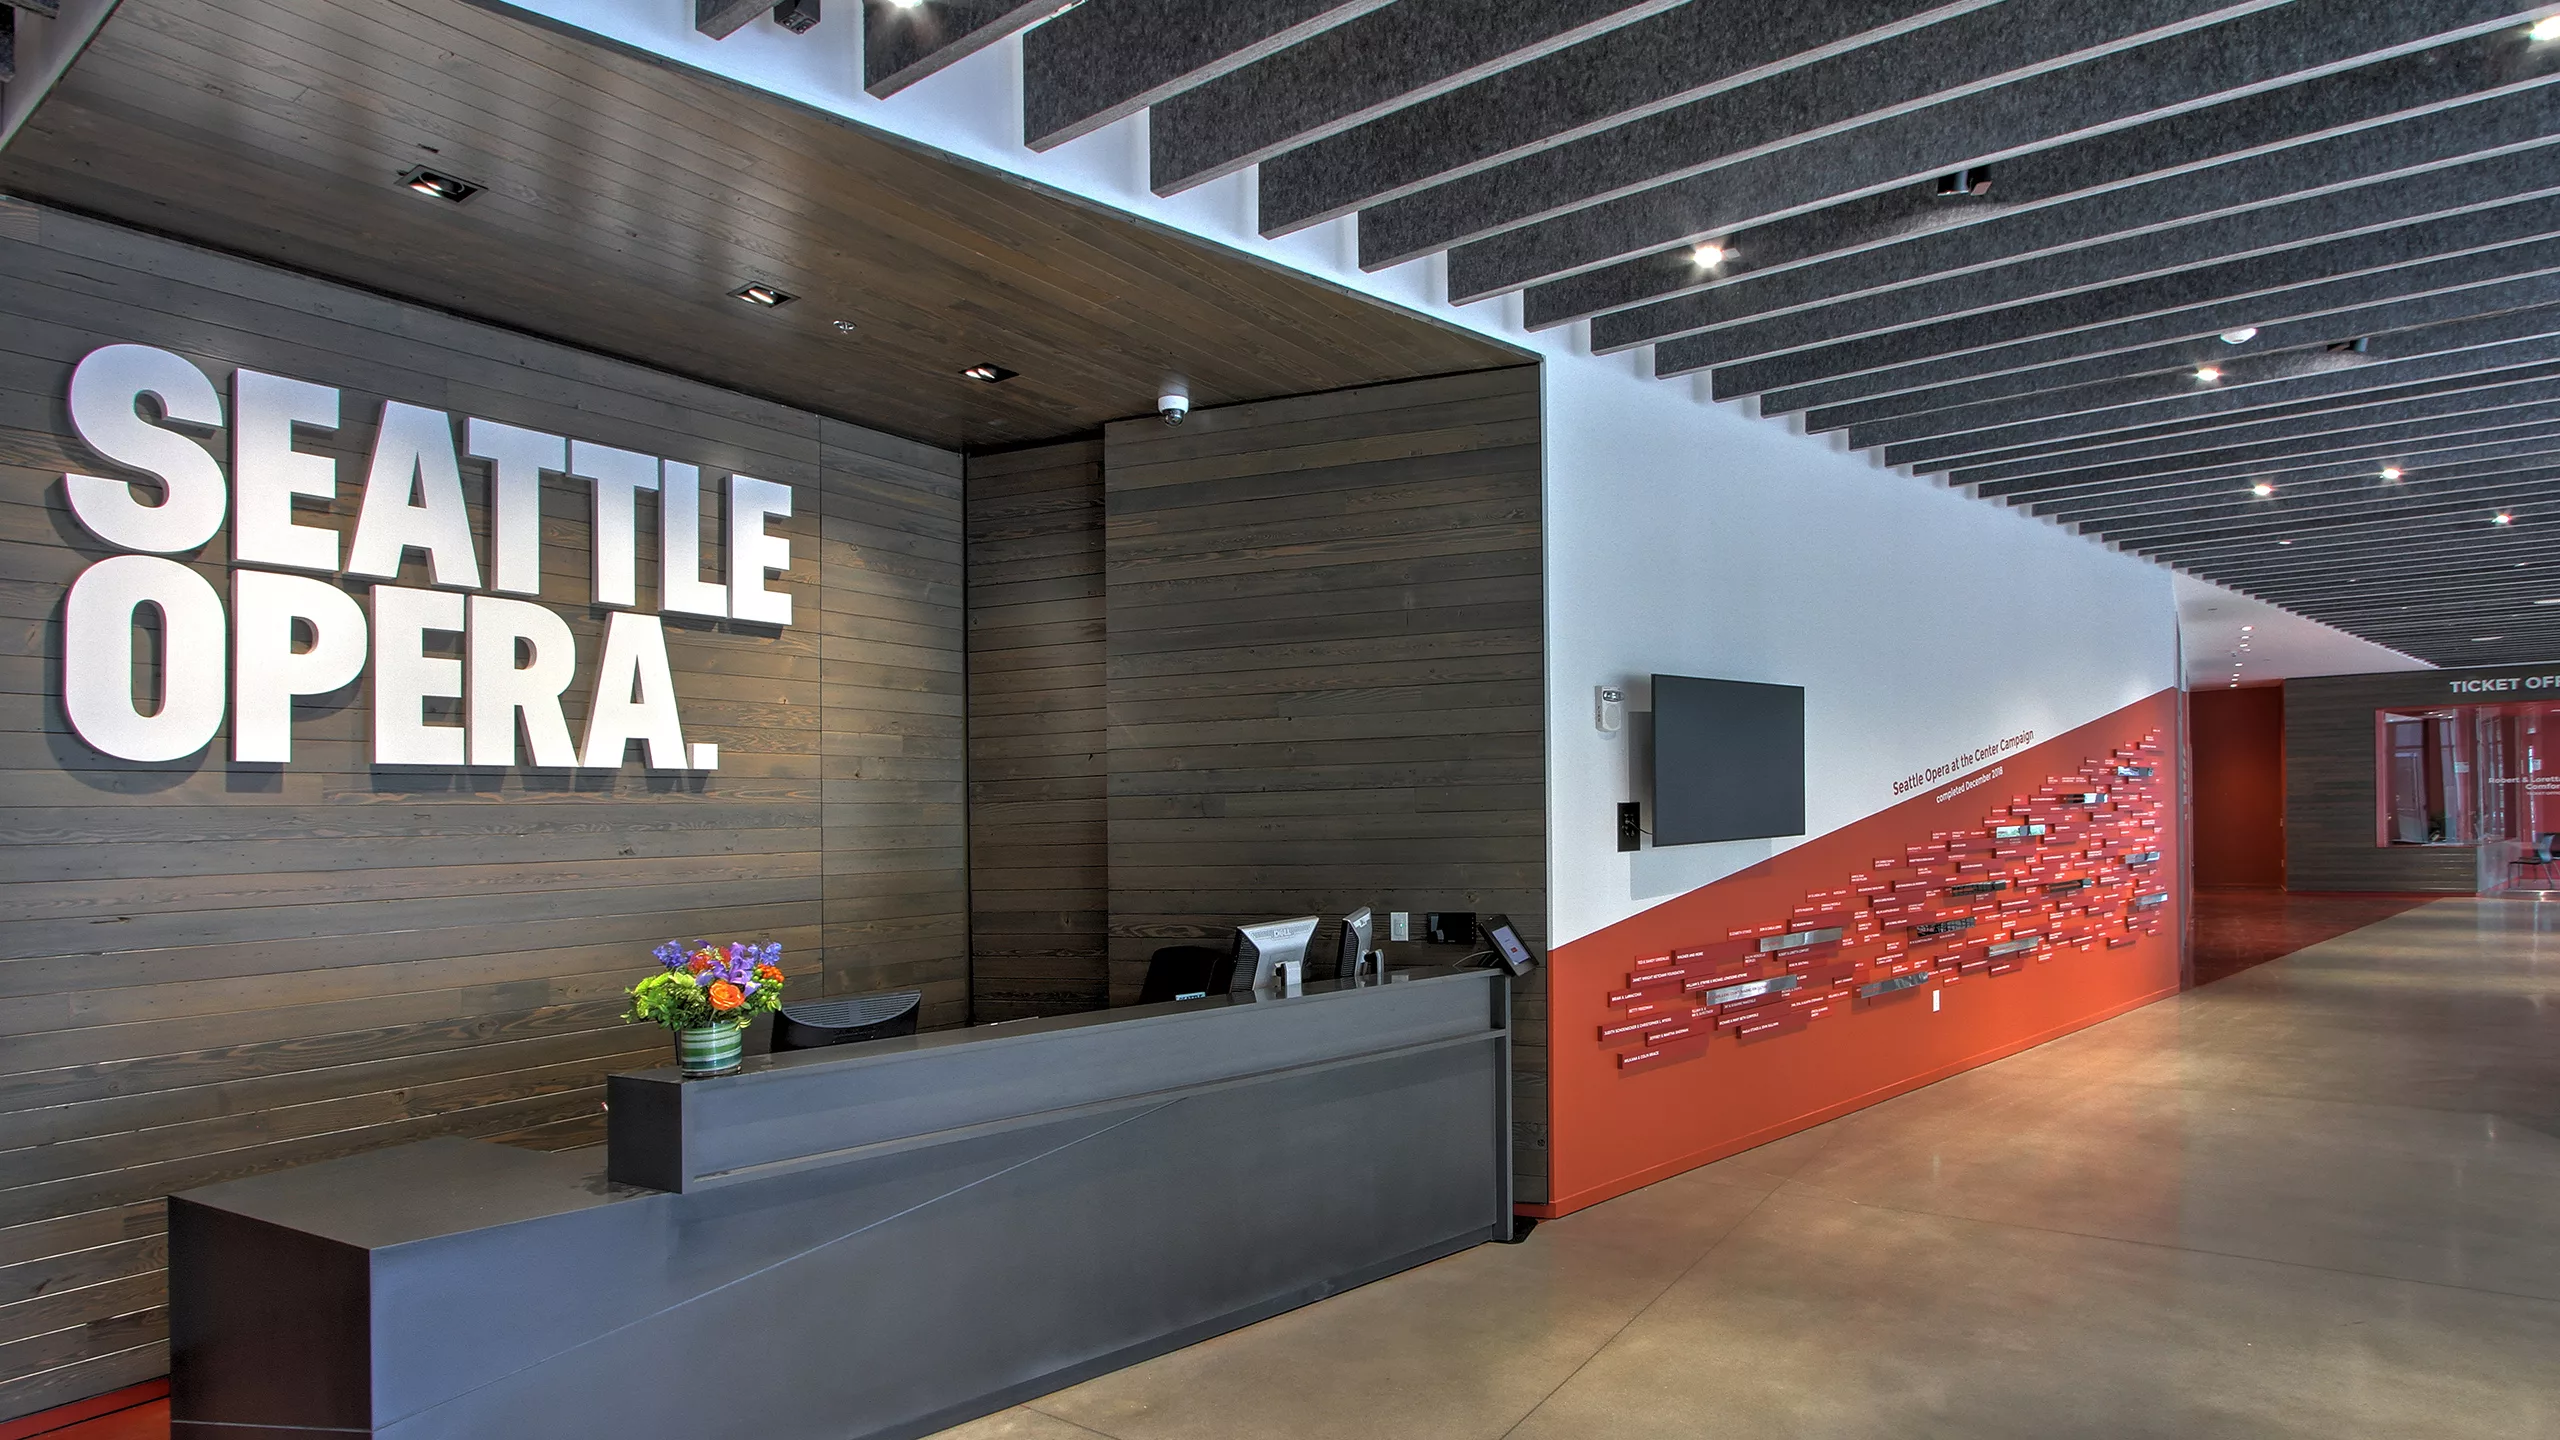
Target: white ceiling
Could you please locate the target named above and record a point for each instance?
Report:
(2218, 627)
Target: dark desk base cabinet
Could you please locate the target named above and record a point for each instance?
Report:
(874, 1241)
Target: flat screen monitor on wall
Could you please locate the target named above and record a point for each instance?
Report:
(1728, 760)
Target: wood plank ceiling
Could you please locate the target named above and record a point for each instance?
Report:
(623, 201)
(2263, 289)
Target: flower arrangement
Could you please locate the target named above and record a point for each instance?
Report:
(702, 984)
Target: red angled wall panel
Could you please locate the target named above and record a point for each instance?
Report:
(2236, 738)
(2026, 899)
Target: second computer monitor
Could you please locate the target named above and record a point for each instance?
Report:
(1354, 943)
(1262, 949)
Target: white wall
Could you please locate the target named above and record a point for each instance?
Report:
(1683, 536)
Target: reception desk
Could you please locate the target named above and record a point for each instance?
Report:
(877, 1240)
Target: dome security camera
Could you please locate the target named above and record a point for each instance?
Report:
(1173, 405)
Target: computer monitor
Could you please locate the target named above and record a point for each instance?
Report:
(1262, 949)
(809, 1024)
(1508, 947)
(1352, 944)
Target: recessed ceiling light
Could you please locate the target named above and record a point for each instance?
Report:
(797, 16)
(990, 374)
(2241, 336)
(2245, 629)
(2349, 347)
(2208, 373)
(1973, 180)
(847, 326)
(436, 185)
(2262, 489)
(756, 292)
(2546, 28)
(2485, 639)
(1709, 255)
(2502, 518)
(2391, 473)
(2284, 542)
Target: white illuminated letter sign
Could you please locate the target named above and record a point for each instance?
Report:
(618, 476)
(413, 457)
(681, 588)
(635, 697)
(97, 658)
(106, 392)
(516, 459)
(502, 689)
(404, 675)
(267, 672)
(267, 472)
(753, 553)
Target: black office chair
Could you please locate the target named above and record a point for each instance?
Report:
(1179, 970)
(812, 1023)
(2546, 849)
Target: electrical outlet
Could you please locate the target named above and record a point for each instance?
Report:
(1399, 925)
(1630, 826)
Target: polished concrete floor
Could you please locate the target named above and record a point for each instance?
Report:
(2318, 1198)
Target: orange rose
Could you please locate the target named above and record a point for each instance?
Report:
(699, 963)
(725, 996)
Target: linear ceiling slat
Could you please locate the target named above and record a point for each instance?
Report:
(1385, 60)
(2250, 379)
(1960, 57)
(2444, 256)
(2189, 148)
(1687, 53)
(2387, 175)
(2293, 43)
(1105, 60)
(902, 44)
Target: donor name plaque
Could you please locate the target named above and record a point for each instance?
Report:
(287, 632)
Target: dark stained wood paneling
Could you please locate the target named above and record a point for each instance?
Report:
(2329, 795)
(1037, 898)
(1327, 674)
(209, 971)
(627, 196)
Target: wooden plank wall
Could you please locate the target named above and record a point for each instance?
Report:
(208, 971)
(1327, 673)
(2329, 789)
(1038, 904)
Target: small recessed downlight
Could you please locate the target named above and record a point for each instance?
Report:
(2391, 473)
(2240, 336)
(1709, 255)
(2502, 518)
(2547, 28)
(2262, 489)
(757, 292)
(437, 185)
(988, 373)
(2208, 373)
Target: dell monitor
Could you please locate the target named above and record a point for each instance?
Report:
(1352, 946)
(1262, 949)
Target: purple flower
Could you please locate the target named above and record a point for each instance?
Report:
(671, 955)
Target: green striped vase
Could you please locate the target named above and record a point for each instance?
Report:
(711, 1049)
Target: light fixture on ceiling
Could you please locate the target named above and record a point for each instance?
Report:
(2545, 29)
(757, 292)
(2208, 373)
(2502, 518)
(1972, 180)
(987, 373)
(2349, 347)
(2284, 542)
(2241, 336)
(436, 185)
(797, 16)
(2262, 489)
(2391, 474)
(846, 326)
(1708, 255)
(2547, 602)
(2485, 639)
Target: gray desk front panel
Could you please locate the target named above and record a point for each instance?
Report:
(883, 1295)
